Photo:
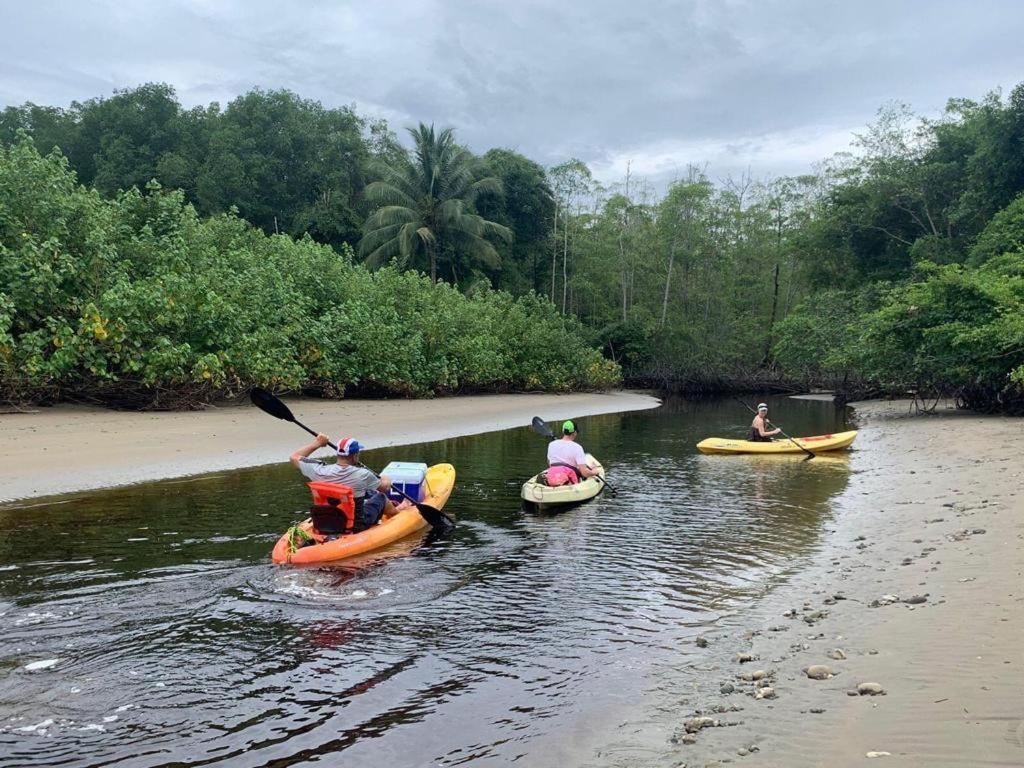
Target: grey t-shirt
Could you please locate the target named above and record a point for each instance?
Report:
(361, 480)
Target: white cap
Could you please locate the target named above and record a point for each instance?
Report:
(762, 406)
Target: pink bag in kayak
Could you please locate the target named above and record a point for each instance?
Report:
(562, 476)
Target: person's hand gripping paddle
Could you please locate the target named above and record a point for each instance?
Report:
(269, 403)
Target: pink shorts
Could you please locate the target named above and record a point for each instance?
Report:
(562, 476)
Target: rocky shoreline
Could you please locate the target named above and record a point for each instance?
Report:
(902, 642)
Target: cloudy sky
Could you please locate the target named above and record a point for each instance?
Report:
(763, 86)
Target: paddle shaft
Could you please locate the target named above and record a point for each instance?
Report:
(314, 433)
(794, 442)
(271, 404)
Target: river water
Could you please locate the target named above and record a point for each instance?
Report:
(146, 626)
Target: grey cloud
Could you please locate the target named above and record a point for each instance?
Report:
(756, 85)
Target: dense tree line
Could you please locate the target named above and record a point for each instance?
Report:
(135, 300)
(286, 164)
(894, 266)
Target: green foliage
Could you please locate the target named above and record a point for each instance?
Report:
(286, 164)
(816, 340)
(527, 208)
(139, 301)
(424, 215)
(954, 329)
(1003, 234)
(875, 270)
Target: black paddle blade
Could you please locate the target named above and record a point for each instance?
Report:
(435, 518)
(268, 403)
(541, 428)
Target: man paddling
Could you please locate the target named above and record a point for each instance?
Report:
(367, 489)
(759, 431)
(567, 461)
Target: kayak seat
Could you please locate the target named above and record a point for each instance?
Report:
(334, 509)
(330, 519)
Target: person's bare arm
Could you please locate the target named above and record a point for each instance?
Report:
(320, 441)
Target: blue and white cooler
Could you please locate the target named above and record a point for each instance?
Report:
(410, 476)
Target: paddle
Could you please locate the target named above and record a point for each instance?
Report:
(269, 403)
(794, 442)
(542, 429)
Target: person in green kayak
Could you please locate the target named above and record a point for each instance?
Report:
(760, 432)
(368, 491)
(567, 461)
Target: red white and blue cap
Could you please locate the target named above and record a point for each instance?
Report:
(348, 447)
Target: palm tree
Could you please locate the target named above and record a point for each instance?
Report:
(425, 206)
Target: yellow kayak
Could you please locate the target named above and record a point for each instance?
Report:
(440, 481)
(816, 444)
(545, 496)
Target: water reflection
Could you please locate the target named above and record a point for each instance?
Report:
(177, 643)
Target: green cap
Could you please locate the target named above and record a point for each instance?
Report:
(568, 427)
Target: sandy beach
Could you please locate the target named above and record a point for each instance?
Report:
(902, 643)
(69, 448)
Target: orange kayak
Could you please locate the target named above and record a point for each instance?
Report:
(439, 482)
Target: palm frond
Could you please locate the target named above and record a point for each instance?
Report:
(384, 253)
(483, 251)
(401, 175)
(388, 194)
(494, 229)
(372, 240)
(426, 236)
(491, 185)
(390, 215)
(408, 238)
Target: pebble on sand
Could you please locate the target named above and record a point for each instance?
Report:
(766, 693)
(35, 666)
(878, 754)
(819, 672)
(838, 654)
(870, 689)
(743, 658)
(702, 642)
(694, 724)
(916, 599)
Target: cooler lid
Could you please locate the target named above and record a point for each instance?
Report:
(405, 471)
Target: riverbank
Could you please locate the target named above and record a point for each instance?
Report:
(917, 590)
(68, 448)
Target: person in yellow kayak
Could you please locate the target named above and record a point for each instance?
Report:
(760, 432)
(567, 461)
(368, 491)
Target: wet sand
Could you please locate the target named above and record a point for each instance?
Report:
(918, 587)
(68, 448)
